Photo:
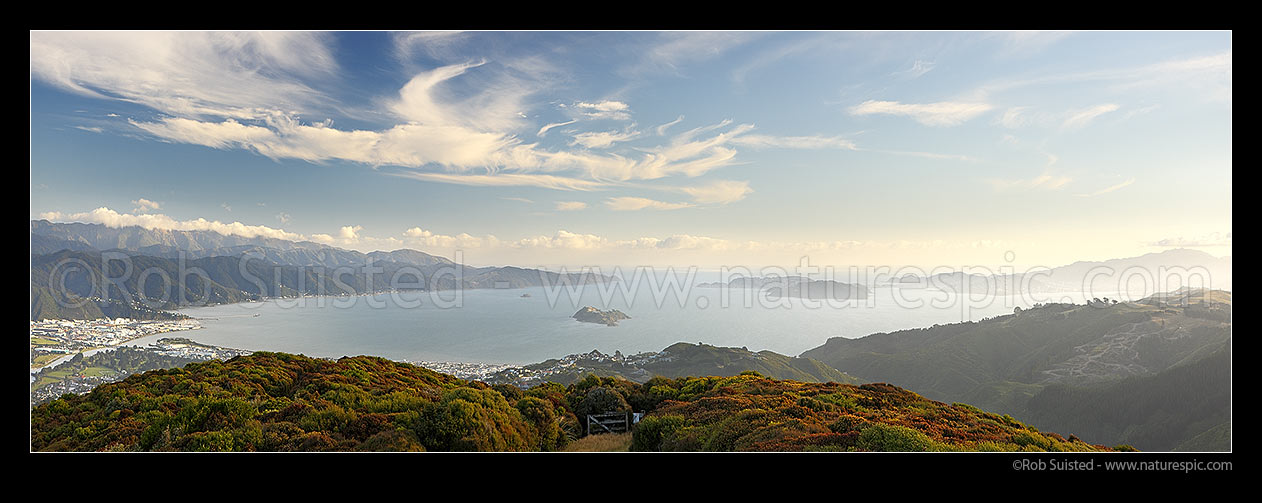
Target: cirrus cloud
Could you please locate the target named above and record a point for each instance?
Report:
(942, 113)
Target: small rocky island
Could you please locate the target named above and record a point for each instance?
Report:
(590, 314)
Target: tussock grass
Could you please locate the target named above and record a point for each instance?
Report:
(606, 442)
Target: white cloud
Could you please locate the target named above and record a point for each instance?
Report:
(615, 110)
(495, 106)
(661, 130)
(350, 233)
(719, 192)
(562, 239)
(144, 205)
(685, 242)
(943, 113)
(417, 236)
(627, 203)
(508, 179)
(570, 205)
(1108, 189)
(802, 142)
(602, 139)
(225, 207)
(1080, 118)
(544, 130)
(283, 217)
(152, 221)
(232, 74)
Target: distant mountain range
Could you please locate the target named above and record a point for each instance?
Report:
(795, 286)
(235, 269)
(1153, 272)
(1158, 370)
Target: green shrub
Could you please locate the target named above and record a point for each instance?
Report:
(893, 438)
(652, 430)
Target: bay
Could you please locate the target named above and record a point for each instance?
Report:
(521, 326)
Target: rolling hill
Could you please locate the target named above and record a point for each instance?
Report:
(1016, 363)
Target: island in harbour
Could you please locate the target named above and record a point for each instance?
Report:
(590, 314)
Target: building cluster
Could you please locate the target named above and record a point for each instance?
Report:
(72, 336)
(185, 348)
(465, 370)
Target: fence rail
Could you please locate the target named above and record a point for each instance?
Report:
(613, 422)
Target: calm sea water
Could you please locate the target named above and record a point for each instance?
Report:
(502, 326)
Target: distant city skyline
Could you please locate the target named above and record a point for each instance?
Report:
(648, 148)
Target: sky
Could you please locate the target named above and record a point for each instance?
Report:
(705, 149)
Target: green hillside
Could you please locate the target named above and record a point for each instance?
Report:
(1096, 350)
(681, 360)
(1186, 407)
(281, 402)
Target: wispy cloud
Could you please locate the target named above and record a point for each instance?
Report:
(1028, 43)
(719, 192)
(1080, 118)
(1046, 181)
(608, 109)
(432, 43)
(1015, 117)
(672, 50)
(602, 139)
(942, 113)
(508, 180)
(918, 68)
(544, 130)
(227, 74)
(1209, 76)
(799, 142)
(570, 205)
(640, 203)
(661, 130)
(1108, 189)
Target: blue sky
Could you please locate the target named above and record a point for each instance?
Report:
(648, 148)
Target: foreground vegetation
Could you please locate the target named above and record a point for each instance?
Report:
(282, 402)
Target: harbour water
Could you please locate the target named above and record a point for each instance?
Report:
(506, 326)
